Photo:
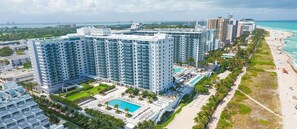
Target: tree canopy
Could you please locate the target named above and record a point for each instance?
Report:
(6, 51)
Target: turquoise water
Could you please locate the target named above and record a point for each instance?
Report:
(178, 70)
(197, 79)
(123, 105)
(291, 26)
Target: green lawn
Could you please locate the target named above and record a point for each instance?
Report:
(85, 93)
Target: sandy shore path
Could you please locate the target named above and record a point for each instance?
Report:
(287, 83)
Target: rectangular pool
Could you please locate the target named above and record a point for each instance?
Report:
(197, 79)
(123, 105)
(178, 70)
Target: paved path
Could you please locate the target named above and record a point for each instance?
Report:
(216, 115)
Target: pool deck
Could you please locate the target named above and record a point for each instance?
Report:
(190, 83)
(145, 112)
(122, 104)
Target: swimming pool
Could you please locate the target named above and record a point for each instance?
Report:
(195, 80)
(178, 70)
(123, 105)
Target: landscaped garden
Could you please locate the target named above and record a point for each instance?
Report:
(87, 91)
(133, 92)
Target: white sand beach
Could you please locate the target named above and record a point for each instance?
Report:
(287, 82)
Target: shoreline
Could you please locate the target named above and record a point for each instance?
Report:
(287, 82)
(280, 48)
(290, 60)
(282, 40)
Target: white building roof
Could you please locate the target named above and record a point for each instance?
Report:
(156, 37)
(16, 57)
(16, 73)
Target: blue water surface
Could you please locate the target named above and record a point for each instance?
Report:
(178, 70)
(290, 26)
(123, 105)
(197, 79)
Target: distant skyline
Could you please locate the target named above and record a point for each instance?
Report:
(73, 11)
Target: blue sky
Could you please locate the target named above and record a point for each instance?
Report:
(36, 11)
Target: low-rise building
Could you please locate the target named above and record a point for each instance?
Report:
(17, 75)
(17, 60)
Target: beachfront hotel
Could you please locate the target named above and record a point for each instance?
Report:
(245, 25)
(188, 43)
(144, 62)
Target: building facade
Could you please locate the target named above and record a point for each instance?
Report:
(211, 41)
(221, 25)
(138, 61)
(232, 29)
(245, 26)
(17, 60)
(188, 43)
(18, 109)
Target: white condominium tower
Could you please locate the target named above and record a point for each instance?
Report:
(245, 25)
(188, 43)
(139, 61)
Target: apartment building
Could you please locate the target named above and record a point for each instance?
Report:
(138, 61)
(18, 109)
(221, 25)
(188, 43)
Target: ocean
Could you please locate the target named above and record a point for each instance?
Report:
(290, 26)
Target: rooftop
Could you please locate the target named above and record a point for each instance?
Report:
(155, 37)
(16, 57)
(10, 91)
(15, 73)
(193, 31)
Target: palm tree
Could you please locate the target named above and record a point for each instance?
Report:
(106, 103)
(146, 125)
(190, 61)
(116, 106)
(127, 111)
(140, 94)
(149, 98)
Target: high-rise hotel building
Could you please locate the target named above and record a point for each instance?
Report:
(245, 25)
(221, 25)
(138, 61)
(188, 43)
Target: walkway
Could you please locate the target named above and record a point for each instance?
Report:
(216, 115)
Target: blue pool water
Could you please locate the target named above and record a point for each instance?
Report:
(198, 78)
(123, 105)
(178, 70)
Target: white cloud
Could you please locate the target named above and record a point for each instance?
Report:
(141, 10)
(98, 6)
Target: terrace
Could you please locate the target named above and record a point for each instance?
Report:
(86, 91)
(130, 105)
